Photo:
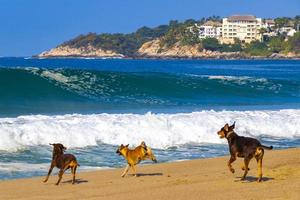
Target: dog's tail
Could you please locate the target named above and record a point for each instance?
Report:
(268, 148)
(78, 165)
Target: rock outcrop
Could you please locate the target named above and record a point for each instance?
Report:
(283, 56)
(88, 51)
(154, 49)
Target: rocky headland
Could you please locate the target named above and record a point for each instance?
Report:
(153, 49)
(84, 51)
(176, 40)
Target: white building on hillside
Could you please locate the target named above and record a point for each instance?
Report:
(289, 31)
(268, 24)
(270, 28)
(243, 27)
(210, 29)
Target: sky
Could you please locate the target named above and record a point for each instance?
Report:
(28, 27)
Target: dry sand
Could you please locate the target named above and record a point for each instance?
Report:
(196, 179)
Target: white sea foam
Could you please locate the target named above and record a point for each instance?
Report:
(55, 76)
(83, 84)
(158, 130)
(258, 83)
(42, 167)
(239, 79)
(20, 167)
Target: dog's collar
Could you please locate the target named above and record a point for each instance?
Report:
(229, 133)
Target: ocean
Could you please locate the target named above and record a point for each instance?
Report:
(175, 106)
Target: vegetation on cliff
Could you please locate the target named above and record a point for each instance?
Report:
(214, 45)
(287, 21)
(278, 44)
(126, 44)
(186, 34)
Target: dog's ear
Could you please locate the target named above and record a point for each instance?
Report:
(226, 127)
(51, 144)
(232, 126)
(143, 144)
(127, 145)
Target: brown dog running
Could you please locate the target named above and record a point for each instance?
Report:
(243, 147)
(135, 156)
(62, 161)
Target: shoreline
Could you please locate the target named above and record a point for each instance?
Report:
(193, 179)
(166, 58)
(160, 58)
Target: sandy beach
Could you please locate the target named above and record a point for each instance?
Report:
(196, 179)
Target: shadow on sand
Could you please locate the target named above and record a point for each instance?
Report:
(148, 174)
(77, 181)
(250, 179)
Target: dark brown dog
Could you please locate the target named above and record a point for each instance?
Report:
(62, 161)
(243, 147)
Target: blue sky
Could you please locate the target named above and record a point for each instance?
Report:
(29, 27)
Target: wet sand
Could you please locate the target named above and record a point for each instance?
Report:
(196, 179)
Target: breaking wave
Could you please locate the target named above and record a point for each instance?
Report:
(158, 130)
(32, 90)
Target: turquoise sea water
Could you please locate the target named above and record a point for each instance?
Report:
(176, 106)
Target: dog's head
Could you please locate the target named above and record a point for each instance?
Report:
(225, 130)
(143, 144)
(58, 148)
(122, 149)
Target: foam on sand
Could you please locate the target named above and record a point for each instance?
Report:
(19, 167)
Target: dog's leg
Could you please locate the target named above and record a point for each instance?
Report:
(49, 172)
(259, 154)
(259, 176)
(125, 171)
(231, 160)
(74, 173)
(246, 163)
(134, 170)
(60, 174)
(243, 167)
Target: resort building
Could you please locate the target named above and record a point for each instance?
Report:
(246, 28)
(289, 31)
(269, 24)
(210, 29)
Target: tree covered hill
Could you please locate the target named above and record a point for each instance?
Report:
(186, 33)
(126, 44)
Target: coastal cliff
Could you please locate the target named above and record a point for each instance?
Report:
(153, 49)
(176, 40)
(150, 49)
(84, 51)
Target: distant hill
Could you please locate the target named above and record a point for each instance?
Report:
(177, 39)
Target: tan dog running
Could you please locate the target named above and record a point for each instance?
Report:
(135, 156)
